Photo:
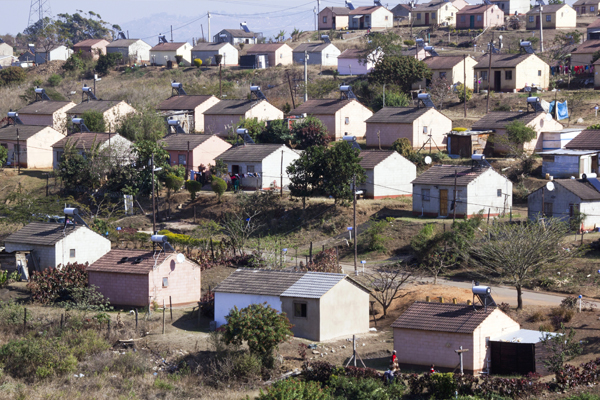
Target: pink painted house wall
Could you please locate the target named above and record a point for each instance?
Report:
(205, 154)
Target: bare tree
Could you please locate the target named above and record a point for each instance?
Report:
(440, 90)
(385, 284)
(515, 254)
(239, 226)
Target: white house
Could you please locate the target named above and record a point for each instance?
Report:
(513, 6)
(119, 148)
(478, 188)
(132, 50)
(53, 244)
(221, 118)
(568, 198)
(208, 51)
(354, 62)
(554, 140)
(112, 110)
(6, 49)
(321, 306)
(164, 52)
(60, 53)
(388, 174)
(324, 54)
(237, 36)
(260, 166)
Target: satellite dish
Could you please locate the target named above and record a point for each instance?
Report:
(550, 186)
(427, 160)
(548, 117)
(180, 258)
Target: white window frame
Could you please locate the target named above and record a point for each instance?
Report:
(531, 18)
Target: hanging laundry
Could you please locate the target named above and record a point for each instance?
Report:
(563, 110)
(551, 106)
(545, 105)
(192, 174)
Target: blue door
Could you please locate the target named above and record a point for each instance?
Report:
(472, 21)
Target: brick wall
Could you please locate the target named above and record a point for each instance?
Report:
(122, 289)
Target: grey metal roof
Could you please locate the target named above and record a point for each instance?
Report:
(521, 336)
(583, 190)
(124, 42)
(397, 115)
(312, 47)
(250, 152)
(258, 281)
(179, 141)
(41, 233)
(567, 152)
(313, 285)
(188, 102)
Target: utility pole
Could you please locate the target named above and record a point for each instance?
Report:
(318, 10)
(487, 107)
(305, 76)
(171, 33)
(153, 198)
(18, 154)
(220, 80)
(454, 201)
(384, 94)
(541, 30)
(209, 37)
(281, 177)
(316, 17)
(465, 82)
(354, 227)
(187, 162)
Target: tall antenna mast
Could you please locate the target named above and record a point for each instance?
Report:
(38, 10)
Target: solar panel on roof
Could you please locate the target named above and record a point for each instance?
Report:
(426, 100)
(526, 45)
(595, 183)
(431, 51)
(244, 27)
(349, 5)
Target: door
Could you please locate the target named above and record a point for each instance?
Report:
(426, 18)
(497, 81)
(443, 202)
(537, 22)
(472, 21)
(181, 160)
(583, 10)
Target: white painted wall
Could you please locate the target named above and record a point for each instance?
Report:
(269, 169)
(89, 247)
(393, 177)
(224, 302)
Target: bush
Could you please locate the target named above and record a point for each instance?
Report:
(594, 127)
(193, 187)
(409, 42)
(94, 121)
(519, 133)
(54, 80)
(461, 93)
(403, 146)
(374, 240)
(318, 371)
(357, 389)
(219, 186)
(310, 132)
(12, 75)
(197, 62)
(391, 100)
(442, 385)
(107, 61)
(74, 63)
(53, 283)
(538, 316)
(131, 364)
(294, 389)
(569, 302)
(3, 155)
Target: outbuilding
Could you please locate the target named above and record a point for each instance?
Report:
(450, 68)
(413, 123)
(466, 143)
(47, 112)
(112, 110)
(565, 163)
(31, 146)
(131, 50)
(584, 52)
(138, 278)
(191, 151)
(52, 244)
(224, 116)
(207, 52)
(478, 189)
(56, 53)
(260, 166)
(555, 140)
(389, 174)
(324, 54)
(430, 333)
(357, 62)
(94, 47)
(188, 110)
(479, 16)
(320, 306)
(165, 52)
(238, 36)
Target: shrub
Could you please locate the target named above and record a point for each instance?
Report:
(74, 63)
(409, 42)
(459, 129)
(357, 389)
(193, 187)
(294, 389)
(160, 384)
(3, 155)
(52, 283)
(595, 126)
(519, 133)
(373, 237)
(310, 132)
(324, 261)
(131, 364)
(569, 302)
(403, 146)
(391, 100)
(12, 75)
(197, 62)
(11, 313)
(442, 385)
(538, 316)
(247, 365)
(107, 61)
(94, 121)
(219, 186)
(318, 371)
(54, 80)
(460, 89)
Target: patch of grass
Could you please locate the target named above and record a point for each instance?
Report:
(538, 316)
(163, 385)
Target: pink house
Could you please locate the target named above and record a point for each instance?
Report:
(137, 278)
(47, 112)
(352, 62)
(479, 16)
(193, 150)
(93, 46)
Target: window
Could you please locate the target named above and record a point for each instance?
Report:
(386, 17)
(235, 169)
(548, 209)
(324, 20)
(531, 18)
(250, 168)
(548, 158)
(432, 15)
(548, 18)
(446, 8)
(499, 193)
(484, 75)
(592, 9)
(300, 310)
(502, 5)
(418, 15)
(462, 18)
(425, 195)
(72, 253)
(508, 75)
(347, 121)
(442, 75)
(479, 18)
(181, 159)
(539, 72)
(452, 14)
(166, 282)
(281, 55)
(562, 14)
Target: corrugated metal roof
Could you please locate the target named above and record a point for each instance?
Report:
(45, 107)
(313, 285)
(259, 282)
(567, 152)
(89, 42)
(183, 102)
(123, 43)
(595, 24)
(585, 2)
(41, 233)
(398, 115)
(353, 54)
(548, 8)
(84, 140)
(582, 190)
(339, 10)
(265, 48)
(239, 33)
(25, 131)
(476, 9)
(209, 46)
(443, 62)
(250, 152)
(370, 158)
(311, 47)
(588, 47)
(179, 141)
(320, 107)
(522, 336)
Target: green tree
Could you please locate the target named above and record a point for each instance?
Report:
(78, 27)
(193, 187)
(219, 186)
(144, 149)
(460, 91)
(12, 75)
(74, 62)
(277, 131)
(402, 71)
(3, 155)
(261, 326)
(305, 173)
(403, 146)
(94, 120)
(340, 164)
(519, 133)
(54, 80)
(107, 61)
(145, 124)
(379, 43)
(560, 348)
(219, 169)
(309, 132)
(173, 183)
(253, 125)
(391, 100)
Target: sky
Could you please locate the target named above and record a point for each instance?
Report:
(148, 18)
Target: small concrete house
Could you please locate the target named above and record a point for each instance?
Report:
(137, 278)
(191, 151)
(164, 52)
(568, 198)
(189, 110)
(341, 117)
(95, 47)
(226, 114)
(584, 52)
(35, 144)
(324, 54)
(389, 174)
(58, 53)
(52, 244)
(586, 7)
(27, 59)
(430, 333)
(260, 166)
(119, 148)
(132, 50)
(588, 139)
(112, 110)
(565, 163)
(50, 113)
(402, 12)
(497, 121)
(593, 30)
(555, 16)
(277, 53)
(450, 68)
(371, 17)
(417, 52)
(416, 124)
(513, 7)
(336, 18)
(353, 62)
(237, 36)
(321, 306)
(480, 16)
(208, 51)
(512, 72)
(6, 49)
(477, 189)
(555, 140)
(434, 13)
